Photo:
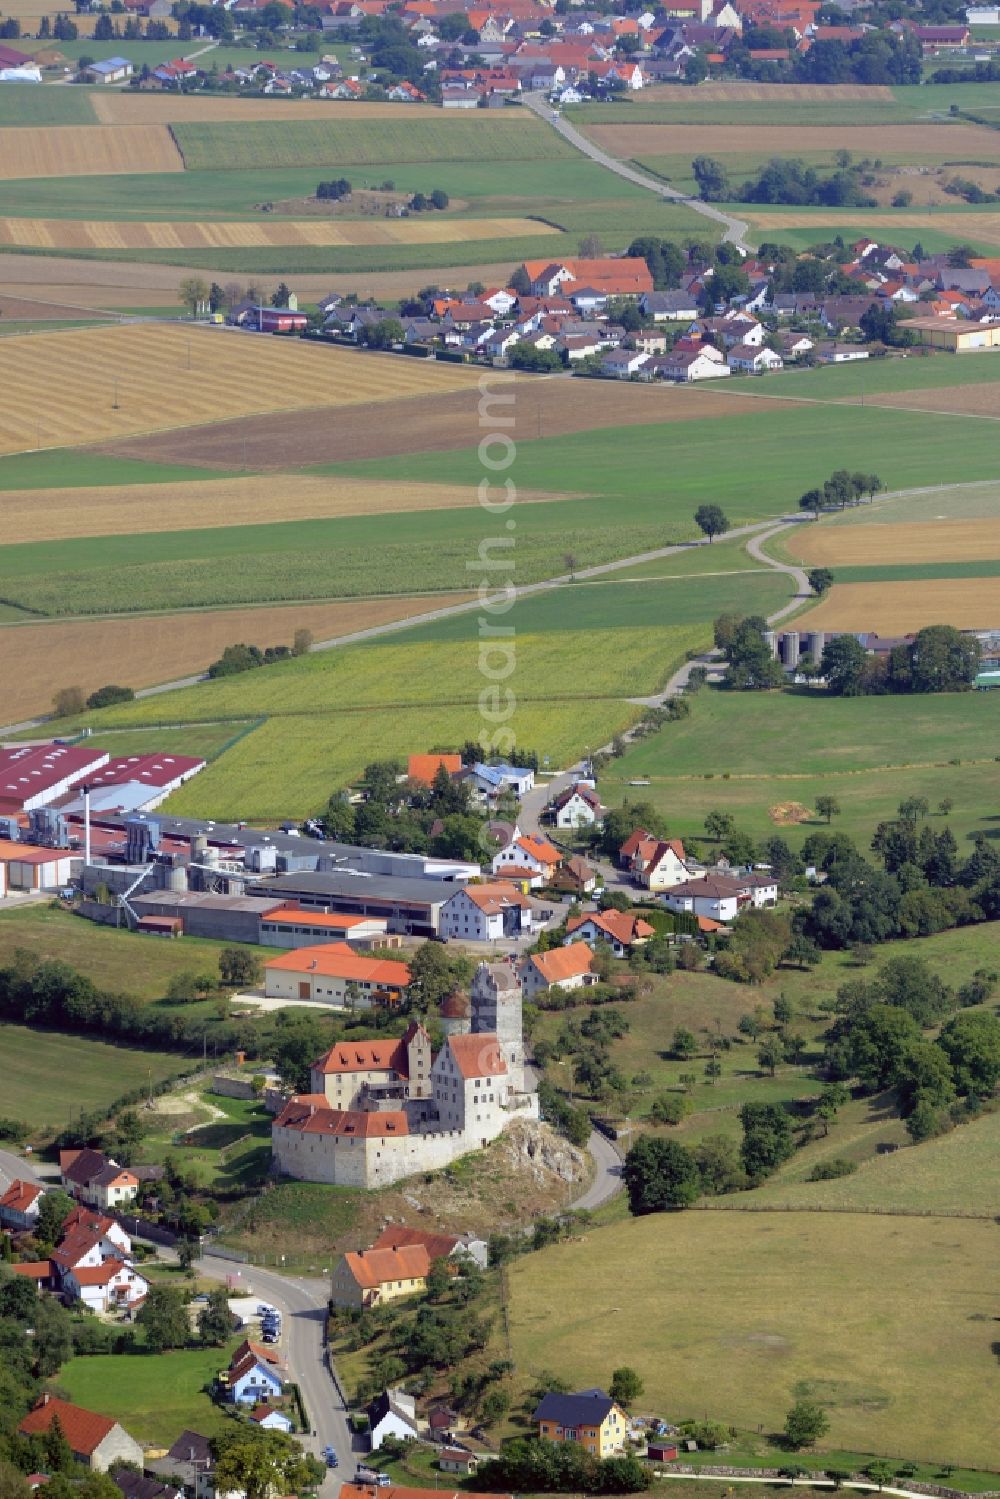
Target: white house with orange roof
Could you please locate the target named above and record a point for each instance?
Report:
(487, 913)
(19, 1205)
(528, 852)
(561, 967)
(660, 863)
(621, 930)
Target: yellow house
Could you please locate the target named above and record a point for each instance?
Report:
(589, 1417)
(374, 1275)
(954, 334)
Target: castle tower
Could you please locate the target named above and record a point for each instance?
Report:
(418, 1058)
(496, 1008)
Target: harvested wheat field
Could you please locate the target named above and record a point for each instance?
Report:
(127, 108)
(544, 407)
(899, 608)
(87, 151)
(984, 226)
(898, 543)
(921, 143)
(950, 400)
(125, 283)
(148, 649)
(61, 388)
(132, 509)
(136, 234)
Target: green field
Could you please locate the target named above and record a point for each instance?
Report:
(321, 143)
(154, 1396)
(841, 382)
(737, 1315)
(50, 1078)
(26, 104)
(224, 1143)
(80, 468)
(117, 960)
(746, 753)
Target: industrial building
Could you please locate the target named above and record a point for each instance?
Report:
(958, 336)
(27, 868)
(36, 775)
(410, 907)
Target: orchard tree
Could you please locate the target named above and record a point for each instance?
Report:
(193, 292)
(805, 1423)
(625, 1386)
(660, 1175)
(828, 807)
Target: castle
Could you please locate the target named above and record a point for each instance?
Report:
(378, 1111)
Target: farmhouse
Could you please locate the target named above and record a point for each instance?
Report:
(574, 877)
(590, 1417)
(19, 1205)
(423, 768)
(96, 1441)
(749, 359)
(334, 974)
(621, 930)
(563, 967)
(723, 897)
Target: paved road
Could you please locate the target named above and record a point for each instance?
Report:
(797, 574)
(736, 229)
(608, 1180)
(303, 1305)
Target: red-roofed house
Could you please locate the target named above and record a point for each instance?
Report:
(104, 1287)
(621, 930)
(563, 967)
(528, 851)
(379, 1274)
(19, 1205)
(579, 807)
(486, 913)
(42, 1272)
(616, 276)
(96, 1441)
(353, 1071)
(658, 863)
(423, 768)
(96, 1179)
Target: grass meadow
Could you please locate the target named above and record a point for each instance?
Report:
(738, 1315)
(28, 105)
(81, 468)
(38, 1064)
(154, 1396)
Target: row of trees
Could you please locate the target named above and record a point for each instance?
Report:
(239, 658)
(69, 702)
(938, 659)
(842, 489)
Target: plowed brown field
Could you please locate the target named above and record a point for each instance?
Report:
(54, 514)
(136, 234)
(899, 543)
(87, 151)
(61, 388)
(127, 108)
(899, 608)
(544, 408)
(920, 143)
(149, 649)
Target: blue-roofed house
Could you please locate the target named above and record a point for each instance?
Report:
(109, 70)
(491, 780)
(589, 1417)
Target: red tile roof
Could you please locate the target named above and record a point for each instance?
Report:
(477, 1056)
(562, 963)
(364, 1056)
(396, 1236)
(494, 897)
(424, 768)
(622, 926)
(19, 1196)
(311, 1114)
(339, 960)
(372, 1268)
(34, 1269)
(83, 1429)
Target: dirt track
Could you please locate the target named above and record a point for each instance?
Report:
(543, 408)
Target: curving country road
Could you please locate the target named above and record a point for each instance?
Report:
(735, 229)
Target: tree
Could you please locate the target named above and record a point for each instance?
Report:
(67, 702)
(439, 199)
(971, 1042)
(711, 519)
(104, 29)
(912, 808)
(625, 1386)
(387, 332)
(239, 967)
(106, 697)
(164, 1319)
(187, 1253)
(805, 1423)
(842, 665)
(53, 1209)
(710, 175)
(812, 500)
(280, 295)
(767, 1139)
(193, 292)
(435, 970)
(302, 641)
(494, 1406)
(263, 1462)
(719, 825)
(770, 1052)
(591, 247)
(215, 1320)
(684, 1044)
(660, 1175)
(831, 1100)
(880, 1472)
(828, 807)
(820, 580)
(520, 282)
(942, 659)
(752, 667)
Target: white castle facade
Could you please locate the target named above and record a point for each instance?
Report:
(378, 1111)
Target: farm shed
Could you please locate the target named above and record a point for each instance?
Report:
(957, 337)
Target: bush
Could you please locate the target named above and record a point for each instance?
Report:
(826, 1171)
(106, 697)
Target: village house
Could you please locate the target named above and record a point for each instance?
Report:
(19, 1206)
(369, 1277)
(655, 863)
(589, 1417)
(458, 1460)
(527, 853)
(753, 359)
(623, 931)
(574, 877)
(267, 1418)
(487, 913)
(686, 367)
(96, 1179)
(95, 1441)
(563, 967)
(254, 1376)
(579, 807)
(392, 1414)
(721, 897)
